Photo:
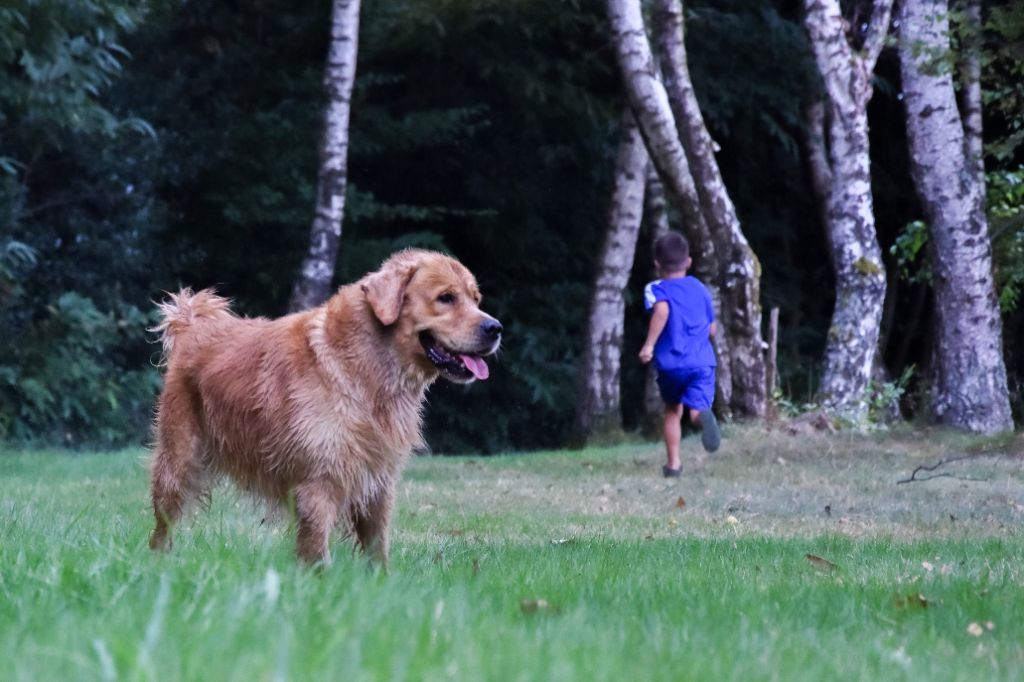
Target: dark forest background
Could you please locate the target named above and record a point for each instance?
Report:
(145, 146)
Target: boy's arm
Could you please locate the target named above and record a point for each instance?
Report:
(659, 317)
(713, 329)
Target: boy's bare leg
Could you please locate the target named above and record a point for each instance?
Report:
(673, 432)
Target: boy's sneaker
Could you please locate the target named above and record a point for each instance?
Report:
(669, 472)
(710, 436)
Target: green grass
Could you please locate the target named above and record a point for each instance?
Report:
(553, 566)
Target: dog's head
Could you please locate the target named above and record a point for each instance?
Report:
(434, 304)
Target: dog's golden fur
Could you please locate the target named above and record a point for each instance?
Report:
(323, 404)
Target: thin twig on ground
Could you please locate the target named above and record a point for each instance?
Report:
(942, 462)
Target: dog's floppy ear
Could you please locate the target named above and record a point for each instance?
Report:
(385, 289)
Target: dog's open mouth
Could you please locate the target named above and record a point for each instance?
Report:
(455, 366)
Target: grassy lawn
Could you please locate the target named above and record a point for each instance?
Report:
(552, 566)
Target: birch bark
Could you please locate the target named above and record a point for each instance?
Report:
(970, 389)
(598, 411)
(313, 285)
(971, 81)
(846, 73)
(650, 102)
(656, 218)
(739, 272)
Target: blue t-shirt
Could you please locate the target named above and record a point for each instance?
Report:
(686, 340)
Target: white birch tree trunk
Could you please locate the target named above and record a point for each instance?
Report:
(971, 83)
(739, 272)
(313, 285)
(655, 205)
(599, 410)
(970, 389)
(650, 102)
(846, 73)
(816, 155)
(656, 218)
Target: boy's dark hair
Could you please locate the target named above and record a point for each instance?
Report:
(671, 251)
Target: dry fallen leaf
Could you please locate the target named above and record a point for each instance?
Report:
(820, 563)
(648, 537)
(731, 520)
(915, 600)
(680, 503)
(533, 605)
(974, 630)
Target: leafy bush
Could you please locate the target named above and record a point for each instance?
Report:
(1006, 214)
(68, 378)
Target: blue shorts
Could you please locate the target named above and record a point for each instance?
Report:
(692, 386)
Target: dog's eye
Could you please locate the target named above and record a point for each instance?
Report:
(446, 297)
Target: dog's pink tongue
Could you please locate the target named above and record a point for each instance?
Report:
(476, 365)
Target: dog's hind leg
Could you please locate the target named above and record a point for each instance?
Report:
(317, 505)
(177, 468)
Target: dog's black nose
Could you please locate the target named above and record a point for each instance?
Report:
(491, 328)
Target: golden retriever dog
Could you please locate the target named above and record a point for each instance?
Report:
(322, 407)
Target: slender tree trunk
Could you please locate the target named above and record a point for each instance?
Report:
(970, 389)
(816, 154)
(599, 406)
(742, 346)
(655, 205)
(850, 222)
(313, 285)
(650, 103)
(971, 82)
(656, 218)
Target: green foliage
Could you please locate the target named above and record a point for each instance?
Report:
(911, 258)
(61, 379)
(884, 398)
(15, 259)
(1005, 209)
(1006, 218)
(72, 365)
(60, 56)
(1003, 80)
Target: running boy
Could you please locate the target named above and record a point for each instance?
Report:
(679, 341)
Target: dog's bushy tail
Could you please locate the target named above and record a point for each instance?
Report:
(186, 312)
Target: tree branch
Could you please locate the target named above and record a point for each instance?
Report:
(824, 22)
(942, 462)
(878, 29)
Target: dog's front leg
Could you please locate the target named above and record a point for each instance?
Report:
(372, 522)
